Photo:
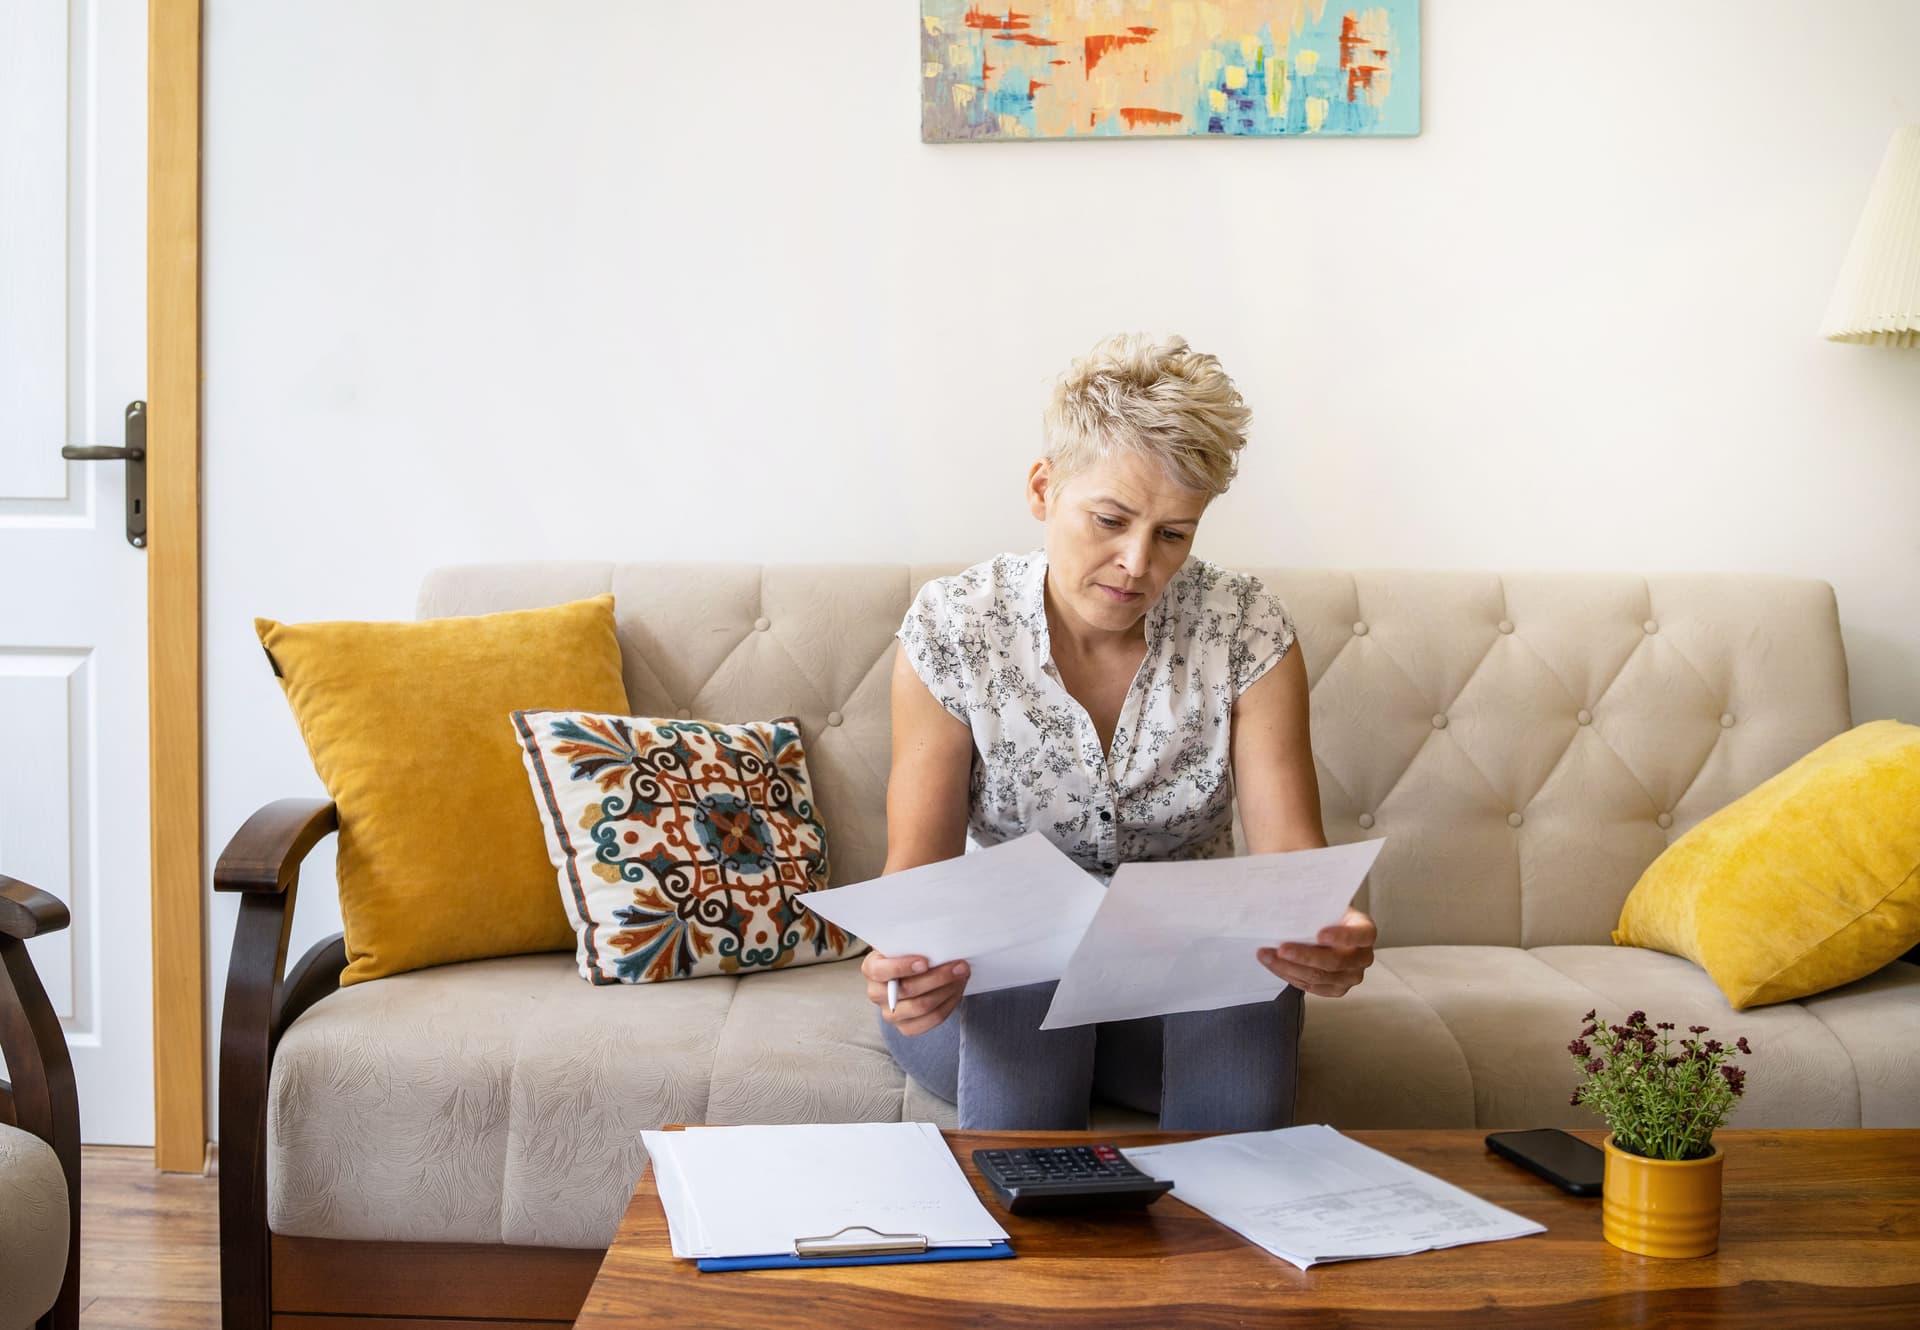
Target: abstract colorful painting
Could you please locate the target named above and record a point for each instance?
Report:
(1055, 69)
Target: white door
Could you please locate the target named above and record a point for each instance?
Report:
(73, 652)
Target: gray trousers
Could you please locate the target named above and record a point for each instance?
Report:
(1229, 1070)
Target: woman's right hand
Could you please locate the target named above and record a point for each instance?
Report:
(927, 996)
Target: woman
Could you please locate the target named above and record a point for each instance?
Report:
(1117, 696)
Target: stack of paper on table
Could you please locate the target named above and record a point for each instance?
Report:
(754, 1192)
(1309, 1194)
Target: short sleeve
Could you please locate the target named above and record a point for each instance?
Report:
(930, 637)
(1265, 635)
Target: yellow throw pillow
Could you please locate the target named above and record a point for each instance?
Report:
(442, 857)
(1810, 881)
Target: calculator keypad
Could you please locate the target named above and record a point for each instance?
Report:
(1066, 1177)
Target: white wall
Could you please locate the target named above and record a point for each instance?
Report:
(636, 280)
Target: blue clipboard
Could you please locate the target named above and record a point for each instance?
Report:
(787, 1261)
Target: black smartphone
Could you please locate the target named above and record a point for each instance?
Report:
(1568, 1162)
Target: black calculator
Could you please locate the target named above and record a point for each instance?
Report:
(1056, 1178)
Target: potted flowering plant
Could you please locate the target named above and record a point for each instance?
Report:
(1662, 1097)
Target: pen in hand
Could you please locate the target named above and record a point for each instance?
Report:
(893, 994)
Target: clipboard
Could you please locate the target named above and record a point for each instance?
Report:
(838, 1249)
(855, 1243)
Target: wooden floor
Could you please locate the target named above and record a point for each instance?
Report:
(149, 1244)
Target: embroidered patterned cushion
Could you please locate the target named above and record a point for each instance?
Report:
(681, 846)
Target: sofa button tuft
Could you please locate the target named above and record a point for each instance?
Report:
(1360, 630)
(1514, 819)
(1650, 626)
(834, 718)
(1506, 625)
(1366, 821)
(1726, 720)
(1439, 722)
(1665, 820)
(762, 624)
(684, 714)
(1585, 717)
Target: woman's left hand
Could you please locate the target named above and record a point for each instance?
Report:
(1334, 966)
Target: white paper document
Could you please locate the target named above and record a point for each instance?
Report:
(1182, 936)
(755, 1191)
(1013, 912)
(1309, 1194)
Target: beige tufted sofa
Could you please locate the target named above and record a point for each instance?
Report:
(1527, 745)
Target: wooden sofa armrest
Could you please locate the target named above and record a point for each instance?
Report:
(266, 853)
(262, 863)
(26, 911)
(41, 1099)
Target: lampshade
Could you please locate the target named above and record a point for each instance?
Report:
(1877, 297)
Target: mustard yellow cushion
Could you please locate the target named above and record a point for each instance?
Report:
(1808, 882)
(441, 856)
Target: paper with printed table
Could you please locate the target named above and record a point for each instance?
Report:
(1309, 1194)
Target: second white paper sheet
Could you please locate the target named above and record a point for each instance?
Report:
(1182, 936)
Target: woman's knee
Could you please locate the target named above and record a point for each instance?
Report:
(1016, 1076)
(931, 1059)
(1235, 1069)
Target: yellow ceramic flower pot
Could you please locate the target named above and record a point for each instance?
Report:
(1661, 1207)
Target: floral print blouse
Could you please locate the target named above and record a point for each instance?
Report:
(978, 640)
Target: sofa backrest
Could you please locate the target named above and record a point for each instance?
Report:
(1526, 743)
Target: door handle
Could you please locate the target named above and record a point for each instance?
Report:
(135, 456)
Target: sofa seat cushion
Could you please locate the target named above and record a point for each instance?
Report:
(503, 1100)
(1443, 1036)
(34, 1225)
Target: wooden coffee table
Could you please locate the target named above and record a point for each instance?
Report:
(1820, 1228)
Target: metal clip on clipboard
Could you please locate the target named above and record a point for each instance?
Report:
(881, 1244)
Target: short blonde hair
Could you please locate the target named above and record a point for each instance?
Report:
(1160, 399)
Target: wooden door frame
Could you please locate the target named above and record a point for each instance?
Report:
(175, 721)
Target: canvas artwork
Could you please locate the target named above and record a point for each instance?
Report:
(1056, 69)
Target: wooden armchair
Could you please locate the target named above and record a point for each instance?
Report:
(39, 1130)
